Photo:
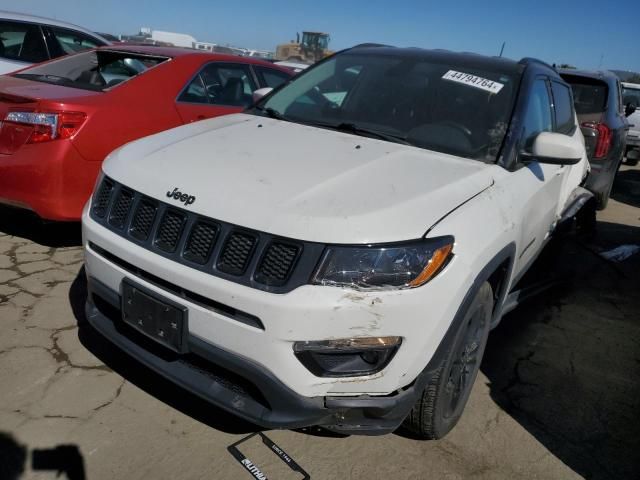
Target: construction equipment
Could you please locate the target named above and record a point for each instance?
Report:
(313, 47)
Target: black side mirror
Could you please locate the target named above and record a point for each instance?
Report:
(629, 109)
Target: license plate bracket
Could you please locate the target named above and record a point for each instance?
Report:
(156, 317)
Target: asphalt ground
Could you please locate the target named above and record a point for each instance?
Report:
(557, 397)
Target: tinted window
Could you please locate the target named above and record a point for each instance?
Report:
(95, 70)
(589, 98)
(221, 84)
(460, 109)
(22, 41)
(270, 77)
(195, 92)
(538, 116)
(69, 41)
(565, 117)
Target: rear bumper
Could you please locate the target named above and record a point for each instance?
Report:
(52, 179)
(244, 388)
(603, 172)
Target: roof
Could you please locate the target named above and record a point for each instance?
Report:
(476, 60)
(595, 74)
(21, 17)
(631, 85)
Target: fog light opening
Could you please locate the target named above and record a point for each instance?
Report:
(371, 357)
(347, 357)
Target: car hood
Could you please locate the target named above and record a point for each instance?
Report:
(299, 181)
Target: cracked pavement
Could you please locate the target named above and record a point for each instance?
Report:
(557, 395)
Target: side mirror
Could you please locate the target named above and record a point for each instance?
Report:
(261, 92)
(555, 149)
(629, 109)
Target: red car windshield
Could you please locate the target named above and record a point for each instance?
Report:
(97, 70)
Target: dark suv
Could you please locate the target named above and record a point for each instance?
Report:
(602, 118)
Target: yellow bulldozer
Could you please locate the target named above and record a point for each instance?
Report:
(313, 47)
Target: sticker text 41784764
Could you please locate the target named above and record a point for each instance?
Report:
(473, 81)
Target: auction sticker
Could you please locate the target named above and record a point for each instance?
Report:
(473, 81)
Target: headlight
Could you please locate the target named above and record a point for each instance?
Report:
(406, 265)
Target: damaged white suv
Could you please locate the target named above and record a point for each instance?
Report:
(337, 254)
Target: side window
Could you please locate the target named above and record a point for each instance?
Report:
(227, 84)
(195, 92)
(23, 42)
(270, 77)
(69, 41)
(563, 102)
(538, 116)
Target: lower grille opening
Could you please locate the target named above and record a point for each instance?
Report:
(230, 380)
(193, 297)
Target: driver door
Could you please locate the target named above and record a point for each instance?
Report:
(217, 89)
(537, 186)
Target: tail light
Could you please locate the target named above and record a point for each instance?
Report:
(605, 135)
(19, 128)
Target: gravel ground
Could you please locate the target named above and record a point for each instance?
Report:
(557, 396)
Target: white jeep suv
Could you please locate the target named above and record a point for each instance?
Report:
(337, 254)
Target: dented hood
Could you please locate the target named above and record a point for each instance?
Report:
(299, 181)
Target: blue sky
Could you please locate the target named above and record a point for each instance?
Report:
(586, 33)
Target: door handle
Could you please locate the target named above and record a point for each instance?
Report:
(198, 118)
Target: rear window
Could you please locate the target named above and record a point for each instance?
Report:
(96, 70)
(589, 96)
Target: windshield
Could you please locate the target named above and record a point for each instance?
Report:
(97, 70)
(449, 108)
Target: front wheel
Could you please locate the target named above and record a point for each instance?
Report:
(440, 405)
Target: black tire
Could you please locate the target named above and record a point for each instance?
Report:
(442, 402)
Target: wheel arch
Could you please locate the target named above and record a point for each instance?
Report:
(499, 271)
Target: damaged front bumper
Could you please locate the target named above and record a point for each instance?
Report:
(244, 388)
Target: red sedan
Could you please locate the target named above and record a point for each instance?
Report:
(61, 118)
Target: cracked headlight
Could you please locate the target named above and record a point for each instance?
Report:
(405, 265)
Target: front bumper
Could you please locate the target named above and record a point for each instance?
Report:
(245, 388)
(264, 355)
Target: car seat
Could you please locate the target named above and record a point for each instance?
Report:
(233, 92)
(33, 49)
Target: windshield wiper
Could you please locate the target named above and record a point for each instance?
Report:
(271, 113)
(363, 132)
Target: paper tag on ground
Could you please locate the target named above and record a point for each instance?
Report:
(473, 81)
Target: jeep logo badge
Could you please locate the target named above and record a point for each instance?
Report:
(181, 197)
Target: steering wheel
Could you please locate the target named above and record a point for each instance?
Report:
(315, 95)
(214, 90)
(458, 126)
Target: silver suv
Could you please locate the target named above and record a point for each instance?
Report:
(27, 39)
